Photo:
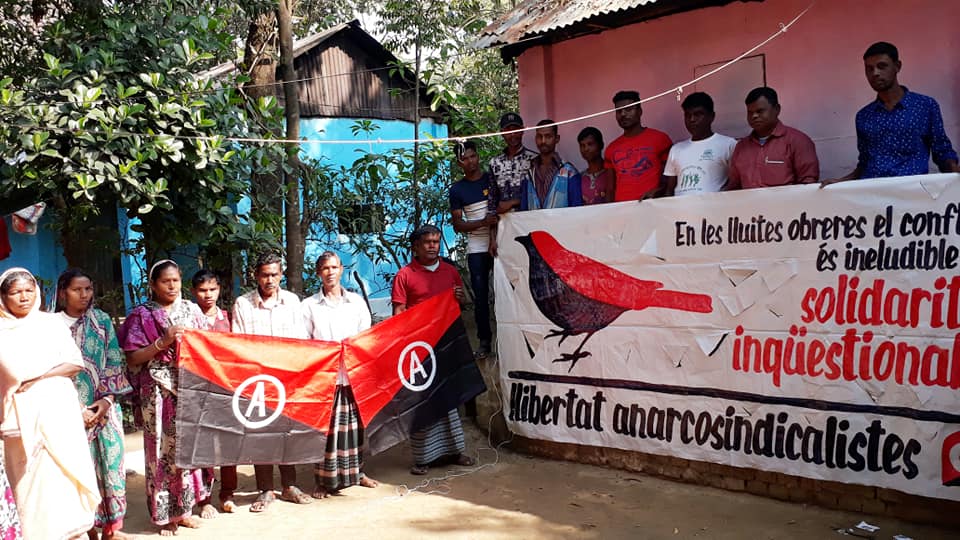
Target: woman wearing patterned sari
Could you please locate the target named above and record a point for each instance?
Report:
(44, 443)
(149, 336)
(101, 381)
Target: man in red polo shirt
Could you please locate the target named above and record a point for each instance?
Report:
(773, 154)
(639, 155)
(426, 276)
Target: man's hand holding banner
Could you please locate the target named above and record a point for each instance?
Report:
(257, 399)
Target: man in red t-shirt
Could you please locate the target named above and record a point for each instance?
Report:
(639, 155)
(424, 277)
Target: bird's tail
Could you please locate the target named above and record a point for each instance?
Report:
(697, 303)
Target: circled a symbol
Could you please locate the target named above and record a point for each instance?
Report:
(258, 401)
(412, 361)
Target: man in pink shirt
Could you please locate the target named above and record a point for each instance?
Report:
(773, 154)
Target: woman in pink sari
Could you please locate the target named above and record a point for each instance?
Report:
(44, 442)
(149, 337)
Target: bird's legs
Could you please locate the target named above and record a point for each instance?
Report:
(577, 354)
(554, 333)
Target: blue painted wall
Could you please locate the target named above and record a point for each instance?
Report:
(371, 273)
(42, 254)
(39, 253)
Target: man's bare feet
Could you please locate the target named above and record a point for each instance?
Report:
(321, 492)
(368, 482)
(92, 534)
(207, 511)
(190, 522)
(170, 529)
(228, 506)
(116, 535)
(295, 495)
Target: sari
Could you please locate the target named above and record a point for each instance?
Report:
(104, 375)
(45, 447)
(172, 492)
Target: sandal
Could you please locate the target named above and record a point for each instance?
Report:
(464, 460)
(419, 470)
(263, 501)
(294, 495)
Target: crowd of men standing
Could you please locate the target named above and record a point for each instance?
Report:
(897, 134)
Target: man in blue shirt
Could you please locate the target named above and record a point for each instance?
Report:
(471, 215)
(897, 133)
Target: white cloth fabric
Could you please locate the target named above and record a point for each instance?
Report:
(45, 444)
(330, 320)
(700, 166)
(280, 317)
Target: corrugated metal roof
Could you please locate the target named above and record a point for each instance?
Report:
(537, 17)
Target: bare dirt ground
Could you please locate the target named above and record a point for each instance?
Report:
(516, 497)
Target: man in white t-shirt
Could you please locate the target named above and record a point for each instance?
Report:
(698, 164)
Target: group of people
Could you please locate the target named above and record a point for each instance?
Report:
(62, 373)
(896, 135)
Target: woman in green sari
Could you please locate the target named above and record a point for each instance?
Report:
(102, 380)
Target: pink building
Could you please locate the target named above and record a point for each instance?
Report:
(573, 56)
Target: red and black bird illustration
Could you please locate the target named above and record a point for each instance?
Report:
(583, 296)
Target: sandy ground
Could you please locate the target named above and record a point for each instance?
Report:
(516, 496)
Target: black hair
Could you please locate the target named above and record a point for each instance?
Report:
(14, 277)
(64, 281)
(267, 258)
(423, 231)
(763, 92)
(461, 148)
(204, 275)
(326, 255)
(591, 131)
(159, 268)
(547, 122)
(882, 47)
(627, 95)
(698, 99)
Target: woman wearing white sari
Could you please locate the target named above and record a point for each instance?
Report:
(45, 446)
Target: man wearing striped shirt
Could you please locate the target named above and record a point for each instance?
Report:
(470, 215)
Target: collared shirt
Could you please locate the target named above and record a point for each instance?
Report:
(279, 317)
(415, 283)
(562, 189)
(335, 320)
(219, 322)
(507, 175)
(787, 156)
(899, 142)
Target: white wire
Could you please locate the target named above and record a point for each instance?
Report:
(677, 90)
(403, 491)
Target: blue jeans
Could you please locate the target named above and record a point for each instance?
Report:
(480, 266)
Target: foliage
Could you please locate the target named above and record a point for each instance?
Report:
(120, 115)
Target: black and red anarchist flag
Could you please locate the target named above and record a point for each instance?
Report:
(257, 399)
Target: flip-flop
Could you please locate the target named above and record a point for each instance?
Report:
(263, 501)
(419, 470)
(464, 460)
(294, 495)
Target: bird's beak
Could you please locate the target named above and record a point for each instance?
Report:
(525, 239)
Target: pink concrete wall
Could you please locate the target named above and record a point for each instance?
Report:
(816, 67)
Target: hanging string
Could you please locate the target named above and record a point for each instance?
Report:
(675, 90)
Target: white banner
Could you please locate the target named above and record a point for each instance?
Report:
(798, 330)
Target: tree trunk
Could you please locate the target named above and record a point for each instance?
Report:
(295, 242)
(258, 62)
(415, 181)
